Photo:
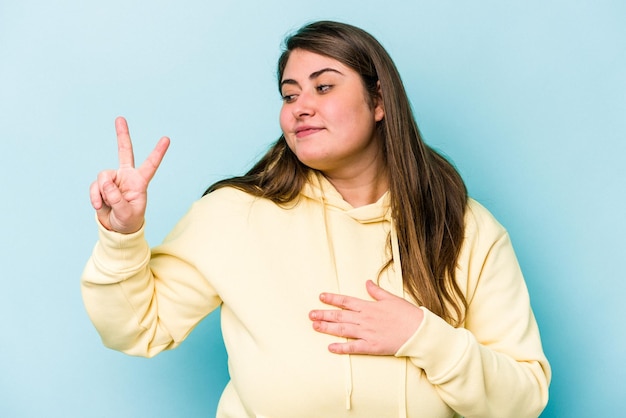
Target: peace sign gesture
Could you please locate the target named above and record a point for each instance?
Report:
(120, 196)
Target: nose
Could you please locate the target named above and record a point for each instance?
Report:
(304, 105)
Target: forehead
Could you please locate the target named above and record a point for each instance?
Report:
(302, 63)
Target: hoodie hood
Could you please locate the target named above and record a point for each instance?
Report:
(320, 189)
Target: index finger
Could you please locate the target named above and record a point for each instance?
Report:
(124, 145)
(341, 301)
(150, 166)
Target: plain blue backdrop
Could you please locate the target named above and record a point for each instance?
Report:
(527, 98)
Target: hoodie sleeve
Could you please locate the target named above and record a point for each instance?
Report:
(144, 301)
(494, 366)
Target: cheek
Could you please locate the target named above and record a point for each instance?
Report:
(348, 114)
(284, 120)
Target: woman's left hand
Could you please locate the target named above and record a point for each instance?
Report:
(378, 327)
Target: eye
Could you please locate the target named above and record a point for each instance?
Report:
(289, 98)
(324, 88)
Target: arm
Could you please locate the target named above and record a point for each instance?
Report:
(141, 302)
(495, 365)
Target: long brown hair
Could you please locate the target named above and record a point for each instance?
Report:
(428, 196)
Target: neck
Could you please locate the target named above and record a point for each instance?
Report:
(362, 188)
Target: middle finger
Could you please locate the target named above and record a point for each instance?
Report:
(335, 316)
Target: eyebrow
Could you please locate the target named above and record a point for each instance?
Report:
(312, 76)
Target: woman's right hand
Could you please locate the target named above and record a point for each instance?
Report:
(120, 196)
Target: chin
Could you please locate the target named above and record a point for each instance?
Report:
(314, 161)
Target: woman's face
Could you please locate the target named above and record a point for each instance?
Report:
(327, 118)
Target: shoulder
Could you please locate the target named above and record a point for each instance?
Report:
(232, 203)
(480, 222)
(226, 199)
(213, 210)
(226, 194)
(216, 214)
(482, 234)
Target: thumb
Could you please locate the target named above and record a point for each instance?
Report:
(377, 292)
(117, 209)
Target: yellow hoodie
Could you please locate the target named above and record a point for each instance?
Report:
(266, 265)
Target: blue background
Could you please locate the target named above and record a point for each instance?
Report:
(528, 98)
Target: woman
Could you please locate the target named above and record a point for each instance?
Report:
(355, 277)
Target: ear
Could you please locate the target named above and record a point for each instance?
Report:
(379, 108)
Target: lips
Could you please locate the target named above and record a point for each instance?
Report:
(304, 131)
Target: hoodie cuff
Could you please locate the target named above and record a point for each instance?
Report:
(436, 347)
(119, 256)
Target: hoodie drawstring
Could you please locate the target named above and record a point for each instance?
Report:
(397, 270)
(347, 360)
